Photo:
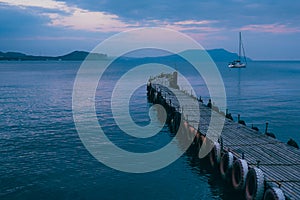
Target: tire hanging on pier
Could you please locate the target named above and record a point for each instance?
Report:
(215, 155)
(198, 140)
(154, 99)
(226, 165)
(239, 173)
(274, 193)
(255, 185)
(172, 125)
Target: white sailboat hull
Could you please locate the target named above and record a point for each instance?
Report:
(237, 65)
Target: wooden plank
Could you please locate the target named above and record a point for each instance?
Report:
(278, 161)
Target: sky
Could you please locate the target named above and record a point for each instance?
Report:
(270, 28)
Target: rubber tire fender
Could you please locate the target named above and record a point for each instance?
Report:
(274, 193)
(215, 155)
(255, 185)
(226, 164)
(239, 173)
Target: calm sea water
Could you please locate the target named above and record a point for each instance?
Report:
(42, 157)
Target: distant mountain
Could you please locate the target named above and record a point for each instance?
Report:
(73, 56)
(218, 55)
(20, 56)
(223, 55)
(81, 55)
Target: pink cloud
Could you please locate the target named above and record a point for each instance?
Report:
(270, 28)
(72, 17)
(194, 22)
(81, 19)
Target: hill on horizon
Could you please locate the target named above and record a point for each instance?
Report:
(216, 55)
(220, 55)
(73, 56)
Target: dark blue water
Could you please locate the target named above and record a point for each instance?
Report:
(42, 157)
(266, 92)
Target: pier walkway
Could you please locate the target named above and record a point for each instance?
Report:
(279, 162)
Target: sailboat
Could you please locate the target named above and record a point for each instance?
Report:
(238, 63)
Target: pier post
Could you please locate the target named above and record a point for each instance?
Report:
(175, 77)
(267, 124)
(200, 99)
(257, 164)
(209, 103)
(173, 81)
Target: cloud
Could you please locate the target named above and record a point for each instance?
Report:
(201, 26)
(194, 22)
(81, 19)
(193, 28)
(62, 15)
(270, 28)
(49, 38)
(46, 4)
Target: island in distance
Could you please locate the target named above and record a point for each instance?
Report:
(216, 54)
(73, 56)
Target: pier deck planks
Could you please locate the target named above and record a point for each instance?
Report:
(279, 162)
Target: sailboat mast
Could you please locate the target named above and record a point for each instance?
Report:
(238, 63)
(240, 44)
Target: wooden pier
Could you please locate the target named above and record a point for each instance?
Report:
(258, 165)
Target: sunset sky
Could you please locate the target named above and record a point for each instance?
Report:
(271, 28)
